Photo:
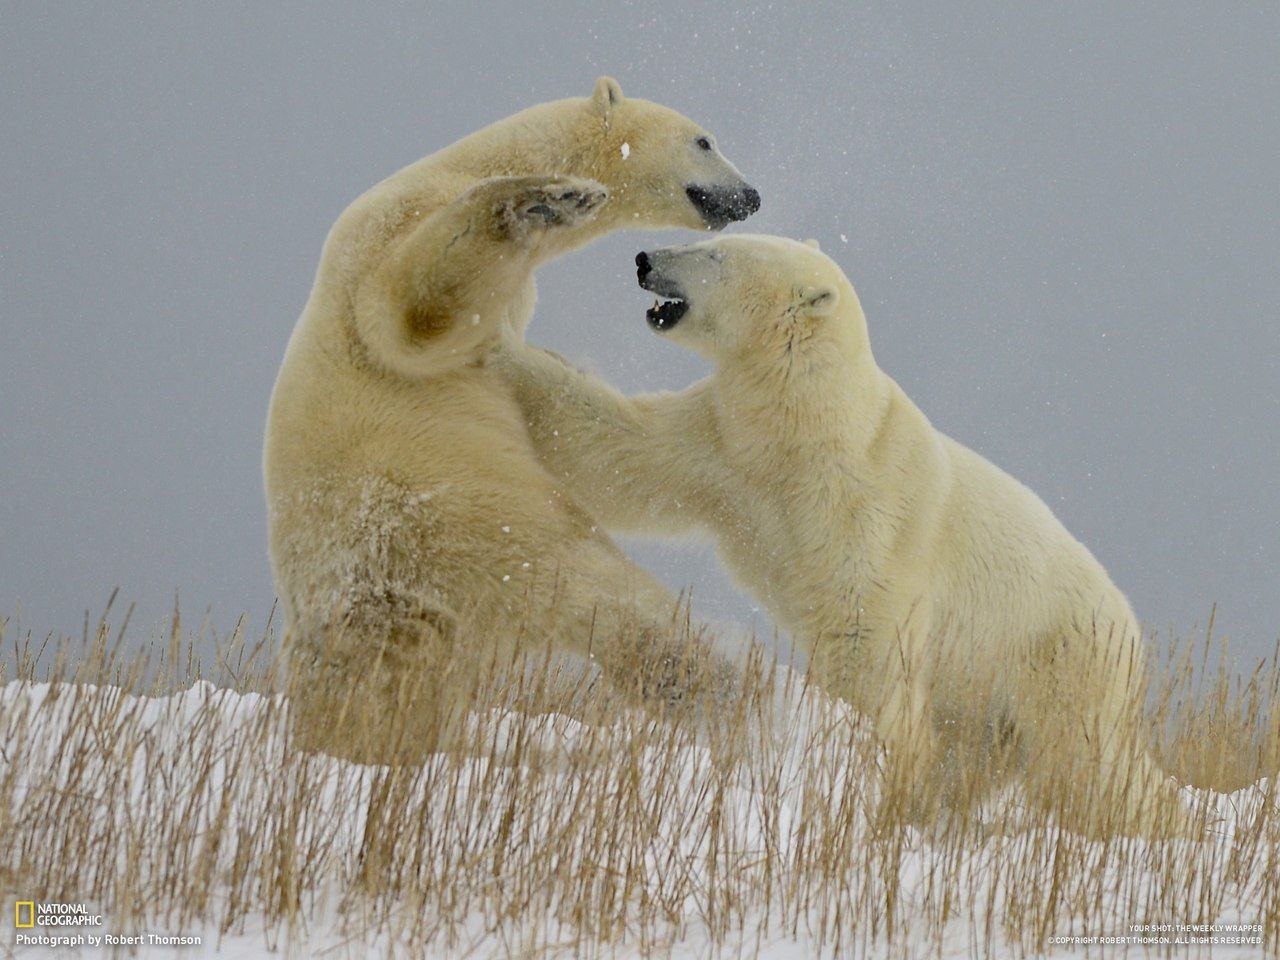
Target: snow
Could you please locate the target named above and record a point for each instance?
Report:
(175, 720)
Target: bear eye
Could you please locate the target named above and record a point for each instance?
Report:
(703, 143)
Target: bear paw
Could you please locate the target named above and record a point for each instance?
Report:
(528, 205)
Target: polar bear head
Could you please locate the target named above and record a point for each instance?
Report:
(661, 168)
(768, 297)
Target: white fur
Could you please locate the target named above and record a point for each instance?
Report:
(929, 588)
(411, 524)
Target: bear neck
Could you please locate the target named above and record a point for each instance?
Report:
(823, 402)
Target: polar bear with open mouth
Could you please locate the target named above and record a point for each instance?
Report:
(930, 589)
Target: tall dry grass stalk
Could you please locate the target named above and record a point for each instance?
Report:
(173, 795)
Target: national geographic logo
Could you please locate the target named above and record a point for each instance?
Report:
(30, 913)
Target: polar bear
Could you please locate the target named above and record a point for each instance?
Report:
(411, 526)
(929, 588)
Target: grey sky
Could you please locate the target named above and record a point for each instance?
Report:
(1061, 220)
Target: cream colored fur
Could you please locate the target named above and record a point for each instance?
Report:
(929, 588)
(412, 530)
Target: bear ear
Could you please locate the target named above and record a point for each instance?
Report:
(812, 243)
(816, 300)
(606, 95)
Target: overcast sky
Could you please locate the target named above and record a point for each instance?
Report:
(1061, 220)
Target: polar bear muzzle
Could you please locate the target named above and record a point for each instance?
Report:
(671, 304)
(721, 206)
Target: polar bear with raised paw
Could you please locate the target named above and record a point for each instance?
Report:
(929, 588)
(413, 531)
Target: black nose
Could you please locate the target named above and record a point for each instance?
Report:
(643, 266)
(721, 205)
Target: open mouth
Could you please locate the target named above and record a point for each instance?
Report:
(669, 306)
(666, 312)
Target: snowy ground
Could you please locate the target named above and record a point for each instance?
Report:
(184, 773)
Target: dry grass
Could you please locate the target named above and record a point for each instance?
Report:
(184, 807)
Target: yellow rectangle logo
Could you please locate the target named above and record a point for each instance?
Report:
(31, 913)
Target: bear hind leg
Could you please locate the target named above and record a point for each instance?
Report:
(1084, 755)
(386, 683)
